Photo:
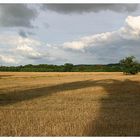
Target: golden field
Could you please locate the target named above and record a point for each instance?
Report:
(69, 104)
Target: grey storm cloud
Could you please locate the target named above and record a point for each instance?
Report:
(82, 8)
(22, 33)
(16, 15)
(25, 34)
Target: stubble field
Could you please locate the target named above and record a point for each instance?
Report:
(69, 104)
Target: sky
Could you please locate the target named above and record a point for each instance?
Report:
(68, 33)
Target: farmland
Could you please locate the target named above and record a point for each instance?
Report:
(69, 104)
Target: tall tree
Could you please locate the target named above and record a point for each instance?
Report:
(129, 65)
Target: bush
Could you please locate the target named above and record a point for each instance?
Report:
(129, 65)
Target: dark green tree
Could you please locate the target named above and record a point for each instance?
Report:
(129, 65)
(68, 67)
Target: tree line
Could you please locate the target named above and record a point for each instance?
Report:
(127, 65)
(68, 67)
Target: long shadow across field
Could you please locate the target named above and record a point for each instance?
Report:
(18, 96)
(119, 113)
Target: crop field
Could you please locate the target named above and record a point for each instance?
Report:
(69, 104)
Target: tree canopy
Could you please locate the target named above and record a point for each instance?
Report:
(129, 65)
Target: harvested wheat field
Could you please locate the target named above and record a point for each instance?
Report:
(69, 104)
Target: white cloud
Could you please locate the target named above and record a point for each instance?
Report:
(16, 40)
(7, 59)
(28, 52)
(130, 31)
(88, 41)
(25, 50)
(26, 47)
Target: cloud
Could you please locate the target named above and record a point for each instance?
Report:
(28, 47)
(130, 32)
(7, 59)
(31, 33)
(83, 8)
(16, 49)
(109, 47)
(16, 15)
(131, 29)
(106, 47)
(28, 52)
(21, 46)
(56, 53)
(22, 33)
(25, 34)
(16, 40)
(91, 41)
(46, 25)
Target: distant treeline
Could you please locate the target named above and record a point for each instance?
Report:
(63, 68)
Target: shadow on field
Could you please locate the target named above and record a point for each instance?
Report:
(18, 96)
(119, 113)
